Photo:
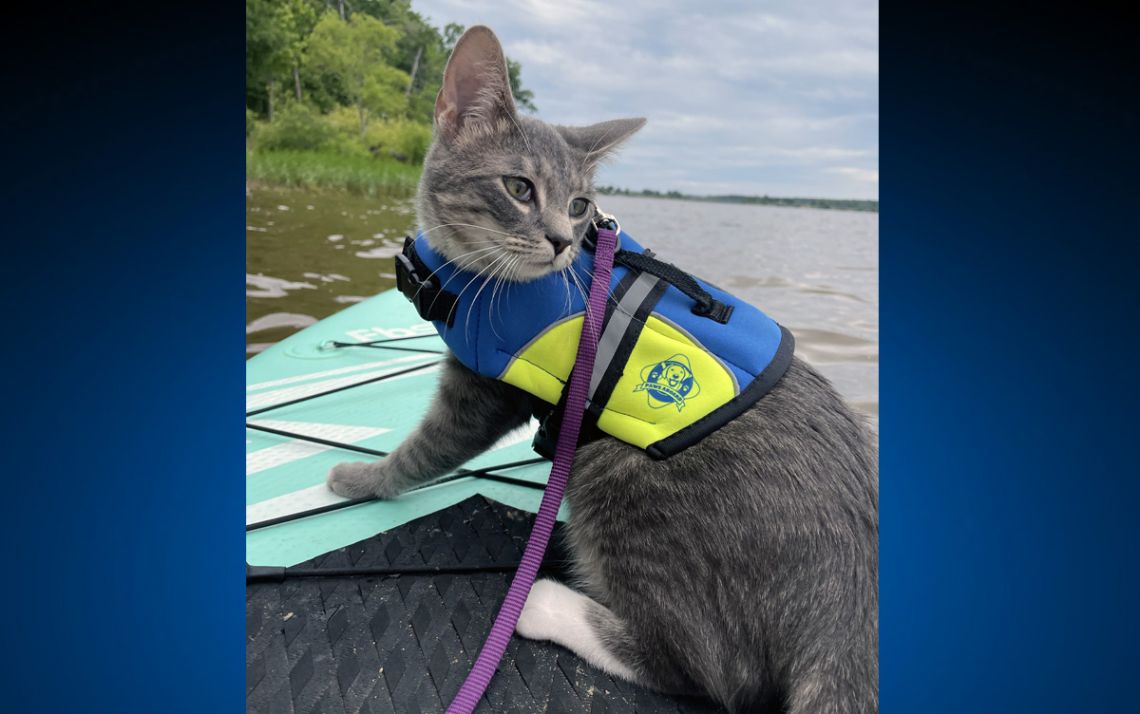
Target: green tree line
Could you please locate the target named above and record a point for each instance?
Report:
(353, 78)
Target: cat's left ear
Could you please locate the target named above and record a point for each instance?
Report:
(476, 87)
(599, 141)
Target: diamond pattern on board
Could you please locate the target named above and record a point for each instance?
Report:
(404, 644)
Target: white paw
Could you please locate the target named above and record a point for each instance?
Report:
(555, 612)
(547, 610)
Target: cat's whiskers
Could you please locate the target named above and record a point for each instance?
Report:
(459, 271)
(490, 279)
(483, 272)
(566, 285)
(494, 289)
(458, 257)
(579, 283)
(501, 286)
(475, 277)
(609, 297)
(510, 277)
(492, 245)
(586, 301)
(470, 263)
(472, 258)
(566, 279)
(462, 268)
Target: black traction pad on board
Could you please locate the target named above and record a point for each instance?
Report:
(405, 643)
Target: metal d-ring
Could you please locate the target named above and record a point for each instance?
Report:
(601, 217)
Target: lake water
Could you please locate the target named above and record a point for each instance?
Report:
(312, 253)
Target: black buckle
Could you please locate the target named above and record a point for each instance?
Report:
(714, 310)
(545, 441)
(432, 303)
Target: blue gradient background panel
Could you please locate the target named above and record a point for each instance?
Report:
(122, 291)
(1009, 384)
(1008, 474)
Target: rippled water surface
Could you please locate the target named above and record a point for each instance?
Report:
(310, 254)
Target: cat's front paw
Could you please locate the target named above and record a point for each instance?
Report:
(359, 479)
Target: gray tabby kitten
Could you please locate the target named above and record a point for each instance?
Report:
(744, 567)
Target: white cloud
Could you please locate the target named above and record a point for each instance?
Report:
(858, 174)
(782, 101)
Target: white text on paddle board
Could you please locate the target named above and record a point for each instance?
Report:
(368, 334)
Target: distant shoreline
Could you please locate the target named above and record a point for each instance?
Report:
(847, 204)
(372, 176)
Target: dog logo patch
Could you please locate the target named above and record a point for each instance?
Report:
(669, 381)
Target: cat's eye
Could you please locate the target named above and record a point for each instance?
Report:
(518, 188)
(578, 207)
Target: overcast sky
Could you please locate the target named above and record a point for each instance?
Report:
(777, 98)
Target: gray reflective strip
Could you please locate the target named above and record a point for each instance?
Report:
(620, 320)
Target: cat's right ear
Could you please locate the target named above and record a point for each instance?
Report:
(598, 142)
(476, 89)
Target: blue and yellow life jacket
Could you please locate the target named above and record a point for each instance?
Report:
(677, 358)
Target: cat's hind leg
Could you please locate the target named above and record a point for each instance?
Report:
(595, 633)
(556, 613)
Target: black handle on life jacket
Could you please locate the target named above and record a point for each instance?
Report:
(707, 305)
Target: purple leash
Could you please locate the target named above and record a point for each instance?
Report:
(488, 660)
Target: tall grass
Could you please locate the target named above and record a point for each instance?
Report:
(366, 175)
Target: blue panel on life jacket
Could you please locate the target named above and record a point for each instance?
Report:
(746, 343)
(674, 376)
(485, 342)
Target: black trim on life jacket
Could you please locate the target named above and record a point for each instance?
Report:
(414, 279)
(751, 394)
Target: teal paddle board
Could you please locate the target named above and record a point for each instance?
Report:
(285, 471)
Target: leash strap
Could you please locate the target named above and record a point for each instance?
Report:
(492, 651)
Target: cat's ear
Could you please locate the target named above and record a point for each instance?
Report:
(598, 141)
(476, 89)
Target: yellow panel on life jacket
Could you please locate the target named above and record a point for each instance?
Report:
(669, 382)
(543, 366)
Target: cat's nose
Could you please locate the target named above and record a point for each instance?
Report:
(560, 244)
